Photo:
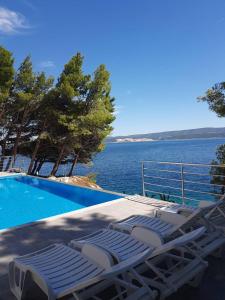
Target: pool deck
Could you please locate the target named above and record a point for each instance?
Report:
(23, 240)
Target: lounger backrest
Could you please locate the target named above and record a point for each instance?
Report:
(193, 219)
(180, 241)
(219, 209)
(117, 269)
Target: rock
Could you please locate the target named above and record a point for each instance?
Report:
(77, 180)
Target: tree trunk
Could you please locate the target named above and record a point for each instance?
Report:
(36, 148)
(57, 163)
(73, 165)
(9, 163)
(2, 157)
(2, 163)
(18, 136)
(14, 152)
(33, 157)
(34, 167)
(3, 145)
(39, 166)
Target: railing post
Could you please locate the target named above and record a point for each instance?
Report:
(11, 162)
(143, 178)
(182, 182)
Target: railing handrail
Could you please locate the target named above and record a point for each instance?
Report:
(148, 186)
(183, 163)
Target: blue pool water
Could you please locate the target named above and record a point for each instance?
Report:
(26, 199)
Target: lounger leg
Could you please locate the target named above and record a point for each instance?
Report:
(219, 253)
(119, 291)
(25, 285)
(196, 280)
(16, 281)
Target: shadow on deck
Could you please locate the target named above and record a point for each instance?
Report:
(31, 238)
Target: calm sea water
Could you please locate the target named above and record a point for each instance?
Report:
(118, 167)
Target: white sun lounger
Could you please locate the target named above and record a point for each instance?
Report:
(169, 225)
(139, 238)
(165, 223)
(59, 270)
(122, 246)
(168, 206)
(215, 216)
(184, 209)
(168, 271)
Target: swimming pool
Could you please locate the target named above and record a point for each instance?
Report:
(25, 199)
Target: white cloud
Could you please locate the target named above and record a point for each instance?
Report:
(11, 21)
(47, 64)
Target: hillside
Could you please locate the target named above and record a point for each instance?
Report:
(171, 135)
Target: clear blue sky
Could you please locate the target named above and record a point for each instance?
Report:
(161, 54)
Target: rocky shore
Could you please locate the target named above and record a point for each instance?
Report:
(77, 180)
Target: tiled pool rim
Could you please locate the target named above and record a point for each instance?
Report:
(67, 214)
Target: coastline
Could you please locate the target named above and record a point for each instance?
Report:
(168, 140)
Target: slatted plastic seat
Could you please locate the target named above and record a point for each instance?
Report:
(59, 265)
(121, 245)
(156, 224)
(164, 223)
(59, 271)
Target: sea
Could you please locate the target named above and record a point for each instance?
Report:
(118, 168)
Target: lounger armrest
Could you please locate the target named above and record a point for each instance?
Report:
(171, 218)
(204, 203)
(185, 212)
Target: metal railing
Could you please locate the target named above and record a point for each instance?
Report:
(185, 183)
(7, 163)
(22, 163)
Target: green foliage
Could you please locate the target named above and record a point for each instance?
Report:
(215, 97)
(163, 197)
(6, 81)
(6, 72)
(67, 122)
(217, 172)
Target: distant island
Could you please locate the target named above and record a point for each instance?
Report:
(171, 135)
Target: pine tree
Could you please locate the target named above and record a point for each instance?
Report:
(64, 123)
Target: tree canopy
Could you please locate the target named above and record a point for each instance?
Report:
(59, 123)
(215, 97)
